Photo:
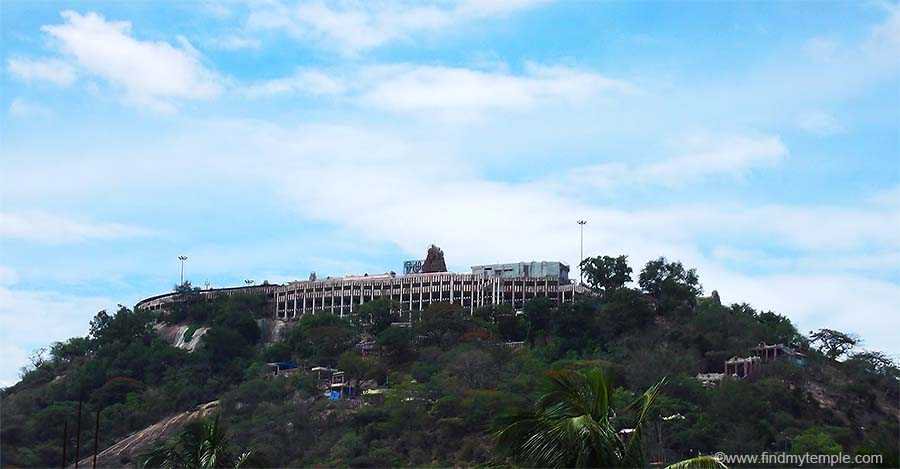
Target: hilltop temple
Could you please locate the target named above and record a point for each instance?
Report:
(424, 283)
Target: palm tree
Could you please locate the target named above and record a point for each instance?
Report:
(572, 426)
(699, 462)
(197, 447)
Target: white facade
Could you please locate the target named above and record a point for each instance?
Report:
(343, 295)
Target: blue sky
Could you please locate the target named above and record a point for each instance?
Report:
(756, 141)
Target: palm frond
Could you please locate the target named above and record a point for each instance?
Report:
(570, 425)
(700, 462)
(633, 451)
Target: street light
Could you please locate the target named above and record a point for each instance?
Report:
(581, 224)
(182, 259)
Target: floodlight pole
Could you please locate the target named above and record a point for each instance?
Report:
(182, 259)
(581, 224)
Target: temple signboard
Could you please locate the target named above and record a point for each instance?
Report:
(413, 266)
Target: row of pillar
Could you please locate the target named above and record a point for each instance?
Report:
(477, 297)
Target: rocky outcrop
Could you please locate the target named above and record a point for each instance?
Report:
(176, 335)
(127, 450)
(272, 331)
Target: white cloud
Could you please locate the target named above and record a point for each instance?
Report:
(430, 189)
(25, 109)
(819, 123)
(33, 319)
(822, 48)
(353, 27)
(303, 81)
(52, 70)
(151, 74)
(7, 276)
(453, 93)
(888, 197)
(379, 185)
(236, 42)
(216, 9)
(12, 358)
(52, 229)
(461, 92)
(706, 155)
(885, 37)
(694, 157)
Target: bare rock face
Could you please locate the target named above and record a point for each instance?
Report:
(126, 451)
(434, 261)
(272, 330)
(176, 335)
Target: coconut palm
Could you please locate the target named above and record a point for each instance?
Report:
(700, 462)
(572, 425)
(203, 446)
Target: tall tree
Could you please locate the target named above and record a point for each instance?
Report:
(537, 317)
(605, 273)
(833, 344)
(376, 315)
(670, 283)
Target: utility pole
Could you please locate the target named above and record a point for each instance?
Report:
(182, 259)
(78, 430)
(65, 442)
(96, 439)
(581, 224)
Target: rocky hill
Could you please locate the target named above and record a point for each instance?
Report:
(372, 392)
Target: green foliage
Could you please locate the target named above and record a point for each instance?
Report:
(222, 345)
(106, 330)
(815, 441)
(321, 338)
(376, 315)
(396, 344)
(196, 309)
(572, 425)
(833, 344)
(512, 328)
(239, 322)
(353, 365)
(72, 349)
(673, 286)
(624, 311)
(202, 445)
(606, 274)
(277, 352)
(444, 380)
(699, 462)
(443, 324)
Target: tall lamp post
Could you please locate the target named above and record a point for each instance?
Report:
(581, 224)
(182, 259)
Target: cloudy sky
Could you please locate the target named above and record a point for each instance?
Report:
(756, 141)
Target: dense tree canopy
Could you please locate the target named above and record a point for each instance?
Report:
(605, 273)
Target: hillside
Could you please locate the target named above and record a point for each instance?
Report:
(429, 392)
